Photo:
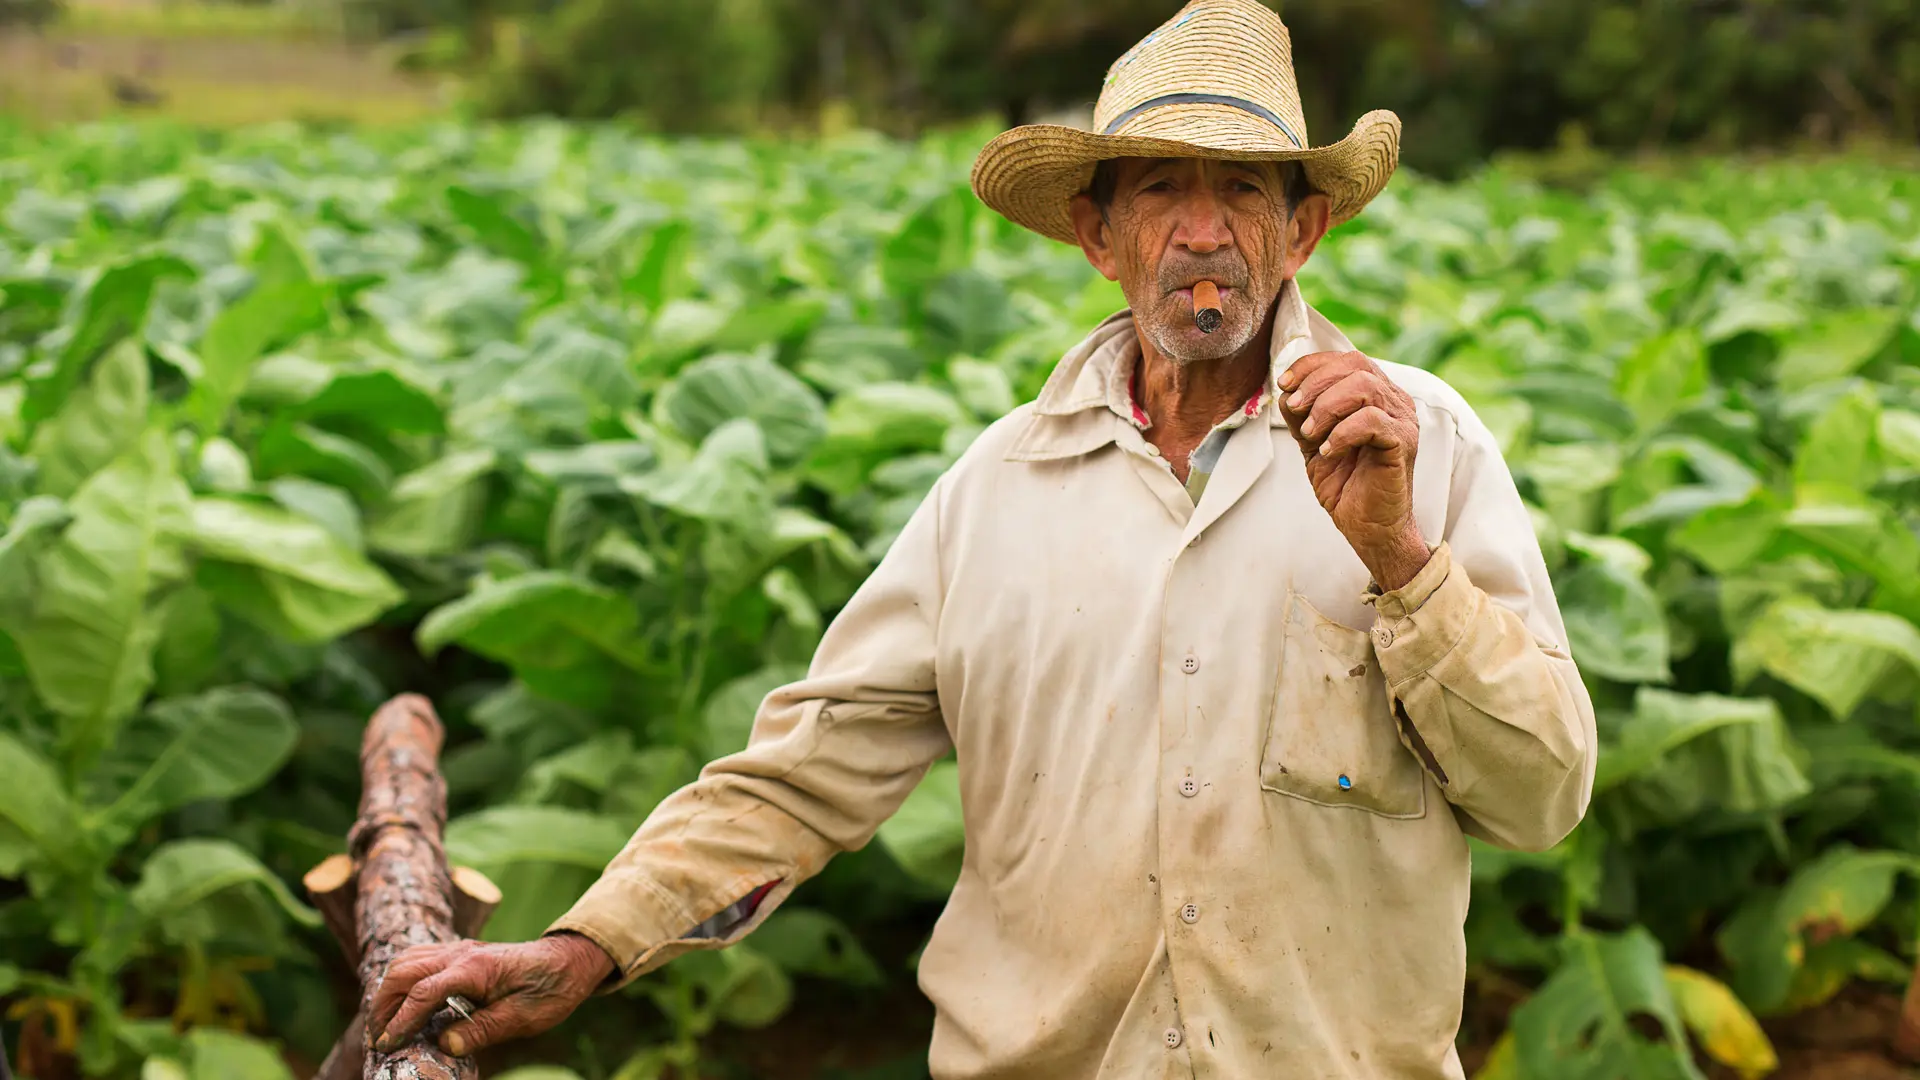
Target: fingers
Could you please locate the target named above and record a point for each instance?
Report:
(1300, 369)
(468, 977)
(1356, 391)
(1313, 374)
(408, 968)
(1371, 426)
(492, 1025)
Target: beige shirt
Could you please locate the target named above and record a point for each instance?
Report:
(1216, 792)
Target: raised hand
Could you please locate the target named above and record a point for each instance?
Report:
(1359, 433)
(518, 990)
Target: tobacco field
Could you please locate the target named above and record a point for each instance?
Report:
(586, 436)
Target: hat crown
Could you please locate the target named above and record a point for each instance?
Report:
(1235, 49)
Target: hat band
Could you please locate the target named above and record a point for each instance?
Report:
(1242, 104)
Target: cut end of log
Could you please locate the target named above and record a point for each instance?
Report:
(333, 874)
(474, 898)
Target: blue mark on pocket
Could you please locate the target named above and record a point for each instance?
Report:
(1345, 784)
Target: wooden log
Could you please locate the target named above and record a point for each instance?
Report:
(333, 886)
(405, 892)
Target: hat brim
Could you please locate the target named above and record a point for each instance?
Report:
(1030, 174)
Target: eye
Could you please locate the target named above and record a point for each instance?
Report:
(1246, 185)
(1159, 185)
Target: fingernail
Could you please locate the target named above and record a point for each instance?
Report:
(1294, 401)
(386, 1043)
(1286, 379)
(1325, 449)
(456, 1045)
(1306, 428)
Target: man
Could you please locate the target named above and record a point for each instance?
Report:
(1238, 636)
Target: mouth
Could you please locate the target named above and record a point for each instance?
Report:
(1186, 294)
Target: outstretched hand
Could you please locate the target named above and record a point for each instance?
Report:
(517, 990)
(1360, 433)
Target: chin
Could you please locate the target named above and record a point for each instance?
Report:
(1187, 345)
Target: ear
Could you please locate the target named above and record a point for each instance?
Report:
(1309, 223)
(1095, 236)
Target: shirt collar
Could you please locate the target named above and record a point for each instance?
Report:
(1088, 396)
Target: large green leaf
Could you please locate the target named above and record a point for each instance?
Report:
(115, 307)
(182, 873)
(1832, 897)
(216, 745)
(806, 942)
(1840, 446)
(1580, 1024)
(869, 423)
(545, 619)
(97, 423)
(228, 1055)
(89, 644)
(435, 509)
(710, 392)
(1662, 376)
(286, 572)
(1834, 346)
(290, 448)
(927, 836)
(35, 527)
(725, 482)
(268, 316)
(1731, 753)
(503, 835)
(1837, 657)
(1663, 721)
(1615, 621)
(496, 229)
(35, 802)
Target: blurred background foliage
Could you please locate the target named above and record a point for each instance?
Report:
(481, 342)
(1469, 77)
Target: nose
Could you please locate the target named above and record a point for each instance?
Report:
(1202, 225)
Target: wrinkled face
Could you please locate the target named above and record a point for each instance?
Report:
(1175, 221)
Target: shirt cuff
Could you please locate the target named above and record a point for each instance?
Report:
(1415, 626)
(627, 919)
(1408, 598)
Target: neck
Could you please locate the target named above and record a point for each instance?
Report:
(1185, 401)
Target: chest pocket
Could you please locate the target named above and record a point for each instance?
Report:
(1331, 737)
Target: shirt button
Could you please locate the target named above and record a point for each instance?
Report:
(1152, 450)
(1190, 914)
(1174, 1038)
(1191, 664)
(1189, 787)
(1384, 635)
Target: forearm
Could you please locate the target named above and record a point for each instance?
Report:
(1504, 726)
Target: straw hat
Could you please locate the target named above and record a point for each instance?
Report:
(1214, 81)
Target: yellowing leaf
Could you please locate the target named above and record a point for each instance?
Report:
(1726, 1030)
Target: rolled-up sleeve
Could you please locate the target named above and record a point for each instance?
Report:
(830, 758)
(1475, 655)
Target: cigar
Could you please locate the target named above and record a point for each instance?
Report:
(1206, 306)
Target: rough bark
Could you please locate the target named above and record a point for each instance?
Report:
(333, 885)
(404, 891)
